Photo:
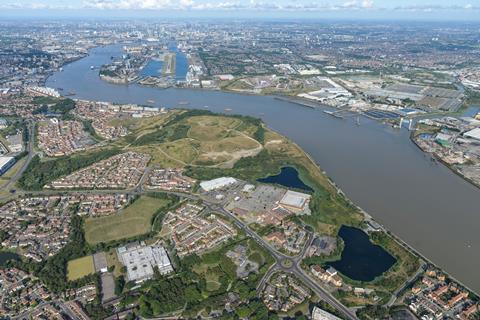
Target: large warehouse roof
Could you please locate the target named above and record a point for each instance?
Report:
(295, 199)
(217, 183)
(475, 134)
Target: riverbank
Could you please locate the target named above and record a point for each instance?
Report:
(377, 167)
(439, 159)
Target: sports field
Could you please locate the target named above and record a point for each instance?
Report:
(79, 268)
(132, 221)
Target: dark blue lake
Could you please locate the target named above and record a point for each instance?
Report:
(361, 259)
(288, 177)
(6, 256)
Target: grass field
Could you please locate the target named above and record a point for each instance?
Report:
(202, 140)
(212, 281)
(207, 270)
(132, 221)
(112, 261)
(79, 268)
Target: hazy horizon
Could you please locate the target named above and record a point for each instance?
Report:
(407, 10)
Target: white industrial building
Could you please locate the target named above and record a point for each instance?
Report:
(44, 91)
(141, 260)
(296, 201)
(329, 90)
(6, 163)
(218, 183)
(319, 314)
(474, 134)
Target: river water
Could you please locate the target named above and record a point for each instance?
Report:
(378, 167)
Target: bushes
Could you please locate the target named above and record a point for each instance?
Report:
(249, 168)
(119, 285)
(163, 296)
(53, 272)
(175, 130)
(55, 105)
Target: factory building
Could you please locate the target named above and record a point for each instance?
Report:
(141, 260)
(296, 201)
(6, 163)
(217, 183)
(473, 134)
(319, 314)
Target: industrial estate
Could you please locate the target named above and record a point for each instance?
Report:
(134, 211)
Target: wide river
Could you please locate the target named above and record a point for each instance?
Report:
(378, 167)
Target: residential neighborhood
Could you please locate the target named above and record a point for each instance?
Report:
(122, 171)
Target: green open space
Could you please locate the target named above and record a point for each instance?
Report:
(329, 208)
(114, 262)
(197, 138)
(79, 268)
(134, 220)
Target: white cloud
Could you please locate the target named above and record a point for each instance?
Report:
(435, 8)
(32, 6)
(367, 3)
(264, 5)
(350, 4)
(222, 5)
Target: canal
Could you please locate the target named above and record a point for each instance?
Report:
(378, 167)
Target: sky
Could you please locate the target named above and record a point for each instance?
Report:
(297, 9)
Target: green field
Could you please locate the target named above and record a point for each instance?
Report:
(132, 221)
(79, 268)
(195, 138)
(113, 262)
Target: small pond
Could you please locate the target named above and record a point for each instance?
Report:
(361, 259)
(6, 256)
(288, 177)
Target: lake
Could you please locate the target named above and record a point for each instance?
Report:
(288, 177)
(361, 259)
(6, 256)
(377, 167)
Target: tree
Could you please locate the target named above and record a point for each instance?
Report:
(119, 285)
(192, 294)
